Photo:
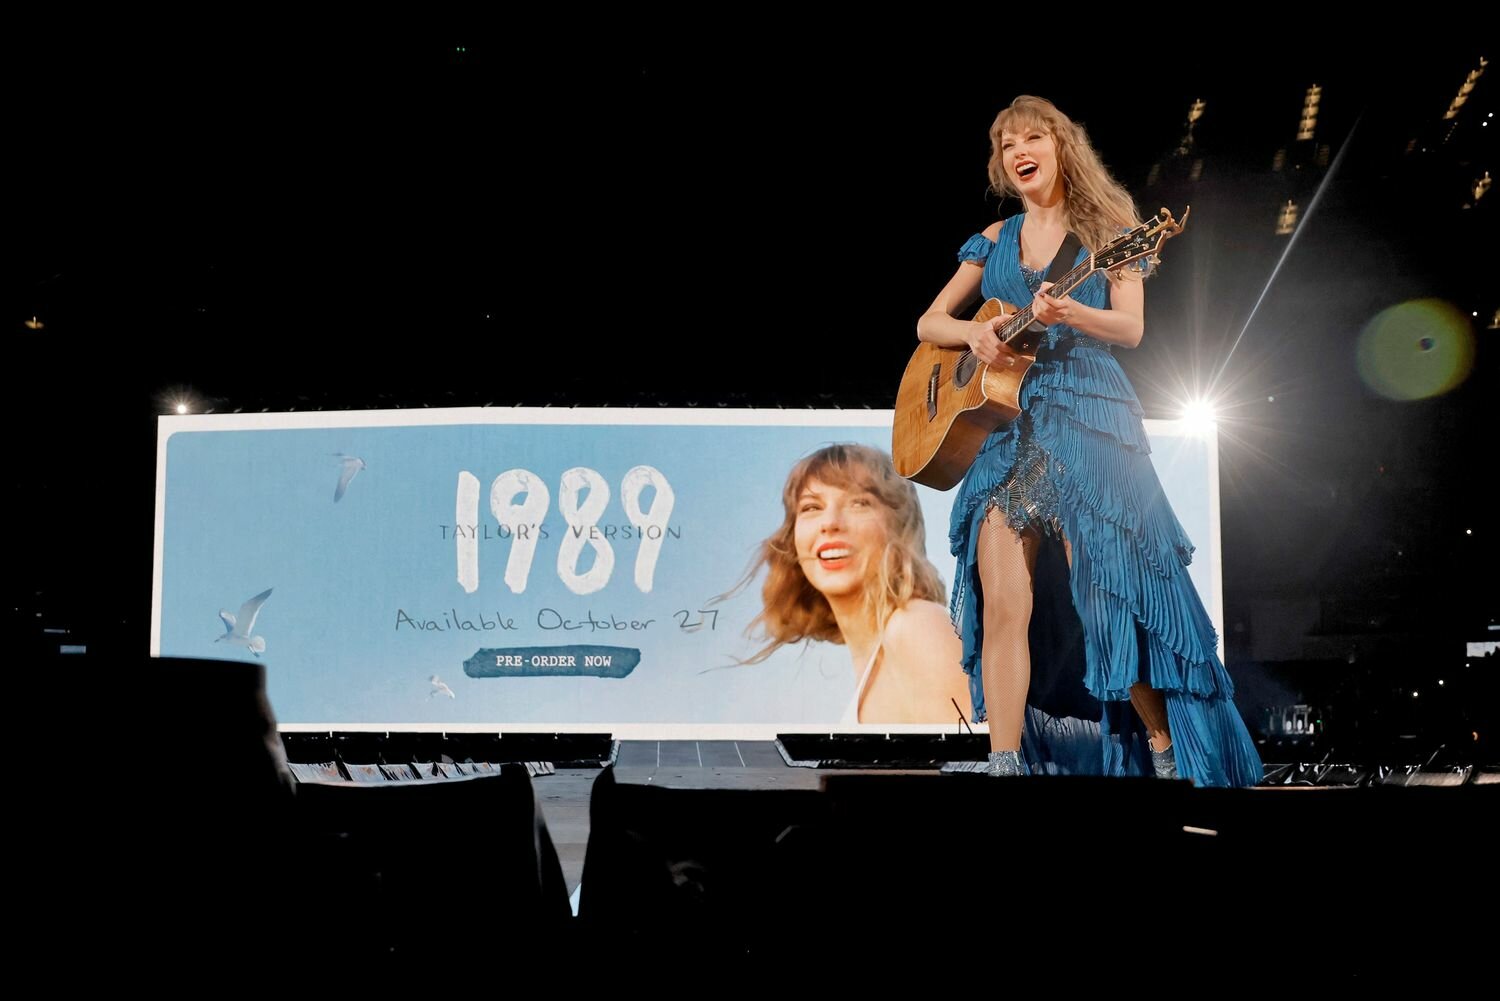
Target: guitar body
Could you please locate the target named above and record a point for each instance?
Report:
(949, 402)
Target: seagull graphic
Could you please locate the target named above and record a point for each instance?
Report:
(350, 467)
(239, 629)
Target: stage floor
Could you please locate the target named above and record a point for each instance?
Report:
(691, 764)
(725, 764)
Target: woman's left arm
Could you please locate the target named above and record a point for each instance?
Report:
(1123, 323)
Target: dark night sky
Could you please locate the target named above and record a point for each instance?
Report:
(560, 218)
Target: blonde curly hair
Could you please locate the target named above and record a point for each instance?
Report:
(793, 609)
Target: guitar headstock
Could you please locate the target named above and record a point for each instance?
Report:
(1144, 241)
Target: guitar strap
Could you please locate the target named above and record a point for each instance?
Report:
(1061, 265)
(1063, 262)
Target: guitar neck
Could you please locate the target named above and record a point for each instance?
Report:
(1067, 283)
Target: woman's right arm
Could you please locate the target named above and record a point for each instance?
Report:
(940, 325)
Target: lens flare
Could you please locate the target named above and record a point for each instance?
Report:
(1415, 350)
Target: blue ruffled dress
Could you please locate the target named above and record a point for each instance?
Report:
(1077, 462)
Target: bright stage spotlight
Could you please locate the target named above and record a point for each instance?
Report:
(1199, 417)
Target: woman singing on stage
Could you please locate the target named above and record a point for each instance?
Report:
(1075, 467)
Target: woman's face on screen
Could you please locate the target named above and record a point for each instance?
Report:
(840, 535)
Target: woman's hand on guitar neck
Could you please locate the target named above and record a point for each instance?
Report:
(983, 339)
(1049, 309)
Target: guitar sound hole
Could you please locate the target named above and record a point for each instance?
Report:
(964, 370)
